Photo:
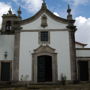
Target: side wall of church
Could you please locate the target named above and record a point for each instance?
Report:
(59, 40)
(7, 46)
(83, 52)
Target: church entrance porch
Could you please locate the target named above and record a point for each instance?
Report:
(44, 68)
(83, 71)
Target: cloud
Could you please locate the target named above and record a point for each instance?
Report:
(55, 13)
(3, 10)
(83, 30)
(77, 2)
(30, 5)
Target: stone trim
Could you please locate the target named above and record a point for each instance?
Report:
(34, 30)
(0, 71)
(34, 63)
(89, 69)
(82, 48)
(7, 34)
(77, 68)
(44, 48)
(78, 71)
(16, 57)
(83, 58)
(82, 44)
(7, 61)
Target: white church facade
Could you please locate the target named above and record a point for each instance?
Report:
(41, 48)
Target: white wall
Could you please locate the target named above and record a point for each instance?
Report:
(58, 40)
(83, 53)
(52, 24)
(28, 42)
(7, 45)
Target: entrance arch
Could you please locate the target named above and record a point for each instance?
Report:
(44, 68)
(44, 65)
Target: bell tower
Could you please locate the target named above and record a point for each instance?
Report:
(10, 22)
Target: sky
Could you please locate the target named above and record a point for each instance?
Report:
(80, 12)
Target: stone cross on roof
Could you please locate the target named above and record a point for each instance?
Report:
(43, 1)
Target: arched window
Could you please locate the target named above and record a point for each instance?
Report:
(8, 26)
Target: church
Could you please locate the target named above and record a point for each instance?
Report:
(42, 48)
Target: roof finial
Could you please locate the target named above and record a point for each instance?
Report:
(69, 10)
(69, 16)
(44, 4)
(43, 1)
(19, 12)
(10, 11)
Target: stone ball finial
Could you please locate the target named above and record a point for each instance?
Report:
(10, 11)
(69, 16)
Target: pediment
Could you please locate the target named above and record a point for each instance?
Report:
(44, 49)
(39, 13)
(38, 21)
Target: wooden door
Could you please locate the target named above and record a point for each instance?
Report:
(44, 69)
(83, 71)
(5, 71)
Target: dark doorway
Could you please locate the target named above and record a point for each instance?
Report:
(44, 69)
(5, 71)
(83, 71)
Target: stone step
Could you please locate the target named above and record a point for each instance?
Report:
(50, 86)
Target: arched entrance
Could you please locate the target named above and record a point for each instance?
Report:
(44, 68)
(44, 65)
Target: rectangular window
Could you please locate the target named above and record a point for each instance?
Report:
(44, 36)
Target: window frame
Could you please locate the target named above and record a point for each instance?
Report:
(44, 42)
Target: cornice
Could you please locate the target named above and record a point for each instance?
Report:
(82, 48)
(37, 30)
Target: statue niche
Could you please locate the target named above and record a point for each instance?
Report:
(44, 21)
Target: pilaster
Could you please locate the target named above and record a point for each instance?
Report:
(72, 30)
(16, 57)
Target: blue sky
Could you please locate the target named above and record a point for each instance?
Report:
(80, 11)
(79, 7)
